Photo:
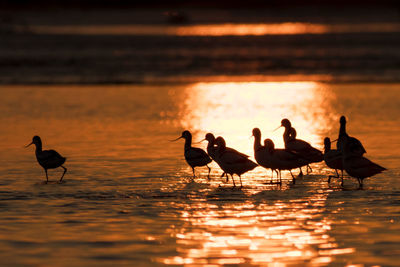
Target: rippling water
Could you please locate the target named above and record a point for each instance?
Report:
(128, 197)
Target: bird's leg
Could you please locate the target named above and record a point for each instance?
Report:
(65, 170)
(240, 178)
(300, 173)
(309, 167)
(233, 179)
(280, 177)
(360, 183)
(47, 178)
(209, 170)
(294, 180)
(342, 179)
(333, 176)
(227, 178)
(194, 176)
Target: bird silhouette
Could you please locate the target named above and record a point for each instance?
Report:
(48, 159)
(231, 161)
(333, 159)
(194, 156)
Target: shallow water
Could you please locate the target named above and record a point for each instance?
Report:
(128, 197)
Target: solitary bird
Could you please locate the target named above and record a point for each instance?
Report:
(195, 157)
(298, 146)
(358, 166)
(48, 159)
(353, 143)
(231, 161)
(333, 159)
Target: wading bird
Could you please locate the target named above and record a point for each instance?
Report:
(48, 159)
(195, 157)
(358, 166)
(300, 147)
(333, 159)
(261, 155)
(283, 159)
(353, 143)
(231, 161)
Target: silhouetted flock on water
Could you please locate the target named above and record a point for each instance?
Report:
(297, 153)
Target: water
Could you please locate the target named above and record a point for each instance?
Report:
(138, 46)
(128, 197)
(108, 90)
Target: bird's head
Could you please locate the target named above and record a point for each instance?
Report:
(210, 137)
(342, 120)
(185, 134)
(36, 141)
(286, 123)
(256, 132)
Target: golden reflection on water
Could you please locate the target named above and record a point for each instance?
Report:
(232, 110)
(281, 234)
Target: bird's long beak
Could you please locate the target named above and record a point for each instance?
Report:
(200, 141)
(29, 145)
(334, 140)
(176, 139)
(277, 128)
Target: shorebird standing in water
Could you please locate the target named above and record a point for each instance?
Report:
(283, 159)
(356, 165)
(195, 157)
(353, 143)
(212, 151)
(333, 159)
(48, 159)
(231, 161)
(298, 146)
(261, 154)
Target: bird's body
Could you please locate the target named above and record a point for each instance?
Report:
(333, 159)
(282, 159)
(356, 165)
(231, 161)
(353, 143)
(48, 159)
(212, 151)
(195, 157)
(261, 155)
(298, 146)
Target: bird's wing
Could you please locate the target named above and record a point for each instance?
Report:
(49, 155)
(282, 154)
(356, 146)
(228, 149)
(232, 157)
(196, 153)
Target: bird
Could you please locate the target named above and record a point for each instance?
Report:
(333, 159)
(212, 150)
(300, 147)
(231, 161)
(358, 166)
(260, 153)
(194, 156)
(354, 143)
(283, 159)
(48, 159)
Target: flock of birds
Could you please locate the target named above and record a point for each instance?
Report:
(297, 153)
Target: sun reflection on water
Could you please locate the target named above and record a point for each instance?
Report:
(256, 225)
(234, 109)
(280, 233)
